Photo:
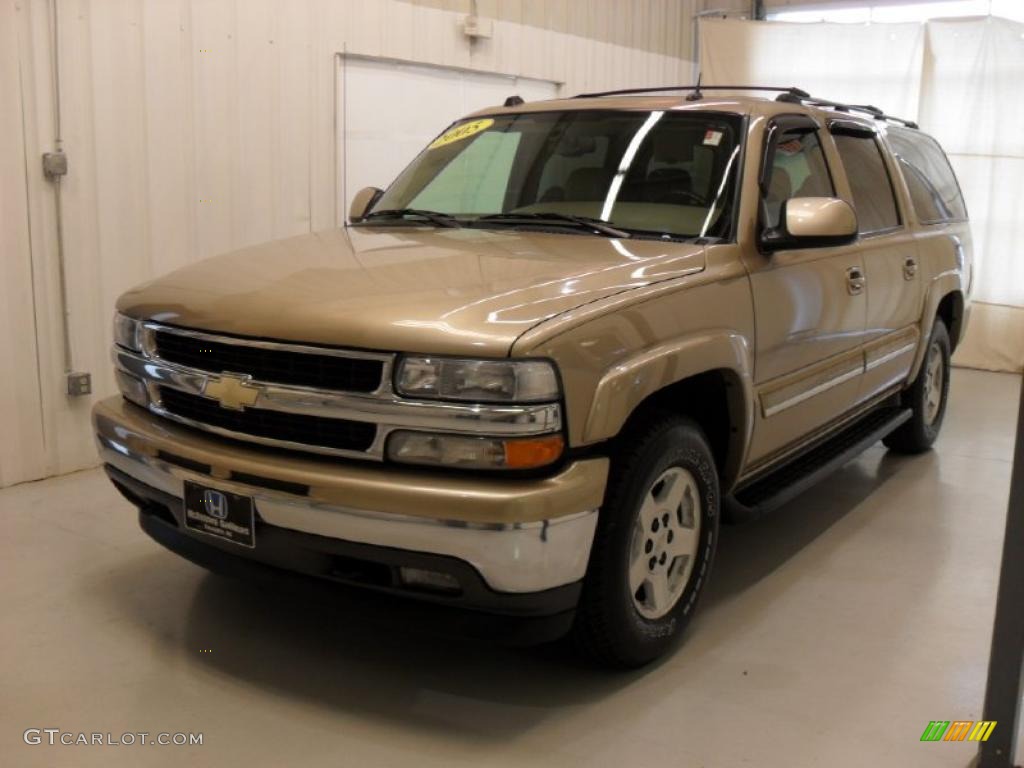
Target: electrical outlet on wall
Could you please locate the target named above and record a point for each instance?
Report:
(55, 164)
(79, 384)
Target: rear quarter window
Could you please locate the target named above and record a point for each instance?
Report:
(934, 191)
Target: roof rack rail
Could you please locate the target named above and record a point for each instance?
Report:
(697, 88)
(839, 106)
(791, 95)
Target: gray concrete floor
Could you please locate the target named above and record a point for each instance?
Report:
(833, 632)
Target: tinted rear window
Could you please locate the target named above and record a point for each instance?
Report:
(933, 187)
(869, 182)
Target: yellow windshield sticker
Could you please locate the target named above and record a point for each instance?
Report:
(461, 131)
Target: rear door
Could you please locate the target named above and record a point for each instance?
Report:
(889, 253)
(937, 212)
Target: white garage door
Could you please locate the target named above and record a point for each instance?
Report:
(389, 111)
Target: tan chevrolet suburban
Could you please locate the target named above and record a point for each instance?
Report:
(527, 381)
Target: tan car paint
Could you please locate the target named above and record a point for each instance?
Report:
(622, 319)
(811, 329)
(817, 216)
(619, 351)
(410, 289)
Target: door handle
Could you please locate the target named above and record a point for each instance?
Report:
(909, 268)
(855, 280)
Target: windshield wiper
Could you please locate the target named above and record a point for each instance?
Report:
(434, 217)
(555, 218)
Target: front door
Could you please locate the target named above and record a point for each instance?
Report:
(809, 304)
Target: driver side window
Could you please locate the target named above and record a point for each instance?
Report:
(798, 170)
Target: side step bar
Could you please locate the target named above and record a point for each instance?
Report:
(771, 491)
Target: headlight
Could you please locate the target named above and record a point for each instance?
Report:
(126, 332)
(503, 381)
(474, 452)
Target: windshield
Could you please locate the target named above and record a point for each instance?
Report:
(661, 173)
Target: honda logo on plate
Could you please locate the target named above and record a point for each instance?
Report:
(215, 504)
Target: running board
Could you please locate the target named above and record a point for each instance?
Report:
(793, 478)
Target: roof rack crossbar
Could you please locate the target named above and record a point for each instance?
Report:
(666, 88)
(868, 109)
(880, 115)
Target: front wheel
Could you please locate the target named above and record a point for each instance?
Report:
(926, 397)
(654, 544)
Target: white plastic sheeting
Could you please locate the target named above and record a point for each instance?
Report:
(858, 64)
(962, 80)
(973, 103)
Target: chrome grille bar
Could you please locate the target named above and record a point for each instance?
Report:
(150, 347)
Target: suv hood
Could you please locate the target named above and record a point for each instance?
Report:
(406, 289)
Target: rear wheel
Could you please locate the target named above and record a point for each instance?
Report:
(654, 544)
(926, 397)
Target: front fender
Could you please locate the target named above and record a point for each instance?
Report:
(614, 355)
(635, 379)
(629, 383)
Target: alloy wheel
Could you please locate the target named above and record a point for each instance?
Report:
(934, 381)
(663, 548)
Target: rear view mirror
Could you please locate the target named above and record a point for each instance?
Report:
(363, 202)
(812, 222)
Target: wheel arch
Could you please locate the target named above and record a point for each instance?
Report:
(951, 310)
(945, 300)
(706, 378)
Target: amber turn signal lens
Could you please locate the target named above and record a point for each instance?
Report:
(466, 451)
(526, 454)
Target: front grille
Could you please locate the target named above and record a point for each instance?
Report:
(273, 366)
(339, 434)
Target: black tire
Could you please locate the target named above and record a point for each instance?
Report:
(609, 628)
(918, 433)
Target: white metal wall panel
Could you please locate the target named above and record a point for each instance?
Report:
(22, 456)
(197, 126)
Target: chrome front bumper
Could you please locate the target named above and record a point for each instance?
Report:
(511, 556)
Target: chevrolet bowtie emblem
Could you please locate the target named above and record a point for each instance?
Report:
(234, 392)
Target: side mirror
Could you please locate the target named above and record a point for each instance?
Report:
(363, 202)
(812, 222)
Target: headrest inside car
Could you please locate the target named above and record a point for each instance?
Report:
(672, 146)
(576, 146)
